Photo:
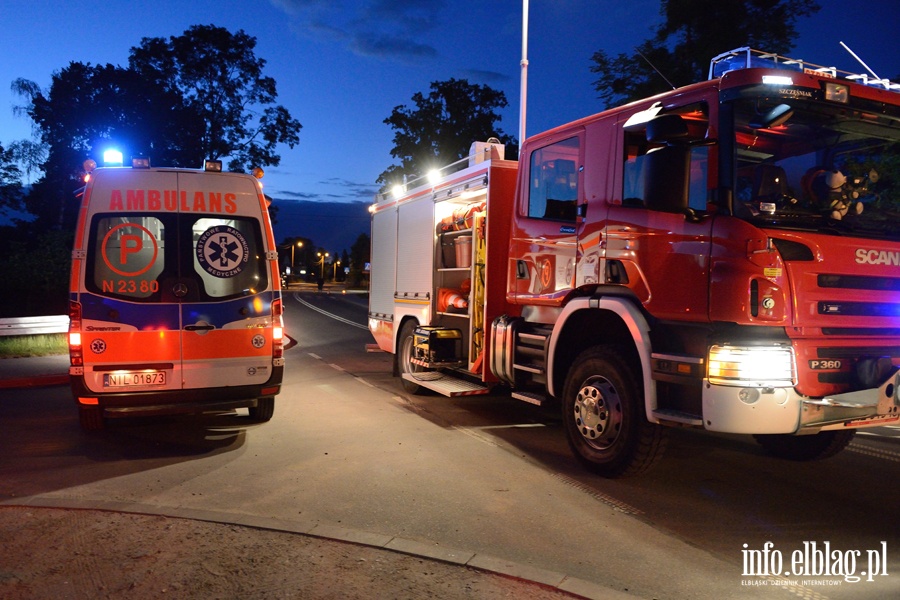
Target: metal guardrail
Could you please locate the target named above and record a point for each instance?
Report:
(34, 325)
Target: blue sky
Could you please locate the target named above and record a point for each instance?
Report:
(341, 66)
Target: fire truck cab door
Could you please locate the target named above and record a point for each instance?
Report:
(544, 241)
(658, 237)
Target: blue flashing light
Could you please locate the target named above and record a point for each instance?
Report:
(112, 158)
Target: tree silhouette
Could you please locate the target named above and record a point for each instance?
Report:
(694, 31)
(442, 126)
(220, 83)
(10, 187)
(200, 95)
(179, 101)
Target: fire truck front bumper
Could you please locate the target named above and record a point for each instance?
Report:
(863, 408)
(762, 410)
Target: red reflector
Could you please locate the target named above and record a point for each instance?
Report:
(91, 401)
(271, 391)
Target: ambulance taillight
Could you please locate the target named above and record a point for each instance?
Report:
(76, 354)
(277, 329)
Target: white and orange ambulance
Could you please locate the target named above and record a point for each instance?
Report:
(175, 295)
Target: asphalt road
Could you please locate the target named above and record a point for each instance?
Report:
(348, 448)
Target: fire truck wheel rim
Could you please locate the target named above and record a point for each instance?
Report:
(598, 412)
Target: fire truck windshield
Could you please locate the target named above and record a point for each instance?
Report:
(810, 165)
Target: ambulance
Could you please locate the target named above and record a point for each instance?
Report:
(175, 296)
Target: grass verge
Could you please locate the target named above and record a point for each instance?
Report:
(33, 345)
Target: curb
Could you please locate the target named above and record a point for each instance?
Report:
(34, 381)
(547, 578)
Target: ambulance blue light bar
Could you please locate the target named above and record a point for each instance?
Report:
(141, 162)
(112, 158)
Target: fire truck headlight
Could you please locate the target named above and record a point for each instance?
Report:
(752, 366)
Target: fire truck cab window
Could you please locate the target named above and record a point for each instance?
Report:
(669, 176)
(553, 190)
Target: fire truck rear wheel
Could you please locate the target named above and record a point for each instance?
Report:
(264, 409)
(822, 445)
(603, 415)
(405, 346)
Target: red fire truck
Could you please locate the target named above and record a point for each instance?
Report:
(722, 256)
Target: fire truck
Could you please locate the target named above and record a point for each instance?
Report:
(724, 256)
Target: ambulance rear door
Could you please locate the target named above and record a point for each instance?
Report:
(131, 321)
(225, 286)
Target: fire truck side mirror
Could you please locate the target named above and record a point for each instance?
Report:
(667, 129)
(666, 178)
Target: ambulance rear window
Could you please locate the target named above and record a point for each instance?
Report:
(228, 256)
(127, 256)
(169, 257)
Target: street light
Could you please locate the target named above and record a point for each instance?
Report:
(297, 245)
(322, 258)
(336, 264)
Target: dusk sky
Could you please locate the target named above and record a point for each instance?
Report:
(341, 66)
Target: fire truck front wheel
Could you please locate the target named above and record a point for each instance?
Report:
(604, 416)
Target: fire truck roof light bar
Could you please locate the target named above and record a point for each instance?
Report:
(433, 177)
(748, 58)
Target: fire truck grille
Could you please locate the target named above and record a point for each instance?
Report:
(858, 351)
(859, 282)
(862, 331)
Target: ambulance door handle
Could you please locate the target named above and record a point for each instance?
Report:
(199, 327)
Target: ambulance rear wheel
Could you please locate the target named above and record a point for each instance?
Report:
(90, 418)
(824, 444)
(264, 409)
(405, 353)
(603, 415)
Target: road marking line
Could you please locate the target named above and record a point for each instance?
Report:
(512, 426)
(604, 498)
(328, 314)
(876, 452)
